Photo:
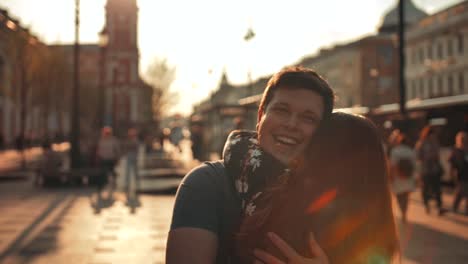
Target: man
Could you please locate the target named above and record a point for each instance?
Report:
(130, 148)
(207, 210)
(431, 171)
(459, 169)
(108, 154)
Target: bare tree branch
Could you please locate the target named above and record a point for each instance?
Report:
(160, 76)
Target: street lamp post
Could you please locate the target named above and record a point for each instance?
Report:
(103, 41)
(75, 105)
(248, 37)
(401, 49)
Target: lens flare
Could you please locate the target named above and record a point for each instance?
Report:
(322, 201)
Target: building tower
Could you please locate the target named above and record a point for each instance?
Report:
(120, 76)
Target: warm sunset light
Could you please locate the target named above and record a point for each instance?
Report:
(203, 38)
(234, 131)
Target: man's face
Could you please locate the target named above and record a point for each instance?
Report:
(286, 126)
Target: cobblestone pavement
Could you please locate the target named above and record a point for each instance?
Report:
(62, 226)
(429, 238)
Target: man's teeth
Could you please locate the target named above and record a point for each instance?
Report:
(286, 140)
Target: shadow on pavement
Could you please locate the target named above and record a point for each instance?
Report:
(23, 249)
(425, 245)
(7, 177)
(170, 191)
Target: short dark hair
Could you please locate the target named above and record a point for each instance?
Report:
(298, 77)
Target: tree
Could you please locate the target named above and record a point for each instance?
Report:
(160, 76)
(59, 79)
(23, 50)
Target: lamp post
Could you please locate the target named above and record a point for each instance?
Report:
(75, 104)
(247, 38)
(103, 41)
(401, 49)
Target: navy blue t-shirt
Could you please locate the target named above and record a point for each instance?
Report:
(207, 199)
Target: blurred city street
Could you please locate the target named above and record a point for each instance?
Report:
(97, 87)
(61, 225)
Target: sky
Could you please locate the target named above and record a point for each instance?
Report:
(204, 38)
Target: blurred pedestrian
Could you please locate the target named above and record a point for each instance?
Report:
(49, 167)
(196, 136)
(402, 167)
(107, 154)
(130, 149)
(459, 169)
(431, 170)
(176, 136)
(392, 140)
(163, 136)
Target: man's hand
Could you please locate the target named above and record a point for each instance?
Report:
(292, 256)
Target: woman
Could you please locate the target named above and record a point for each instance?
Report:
(402, 165)
(339, 192)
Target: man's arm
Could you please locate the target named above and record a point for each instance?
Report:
(293, 257)
(191, 245)
(195, 222)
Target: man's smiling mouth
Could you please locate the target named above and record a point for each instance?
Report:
(284, 140)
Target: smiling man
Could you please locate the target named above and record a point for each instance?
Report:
(207, 210)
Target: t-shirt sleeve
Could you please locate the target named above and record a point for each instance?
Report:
(196, 203)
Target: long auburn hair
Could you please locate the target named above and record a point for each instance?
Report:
(339, 191)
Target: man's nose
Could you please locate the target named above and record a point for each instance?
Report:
(292, 122)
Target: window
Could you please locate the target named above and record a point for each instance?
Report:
(460, 43)
(421, 55)
(409, 93)
(420, 88)
(429, 87)
(450, 85)
(439, 51)
(461, 83)
(409, 86)
(440, 85)
(413, 56)
(386, 54)
(385, 83)
(434, 87)
(429, 51)
(115, 75)
(449, 47)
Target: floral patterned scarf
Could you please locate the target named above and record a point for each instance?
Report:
(251, 168)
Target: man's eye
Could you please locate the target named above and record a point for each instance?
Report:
(280, 110)
(309, 119)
